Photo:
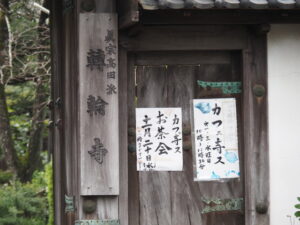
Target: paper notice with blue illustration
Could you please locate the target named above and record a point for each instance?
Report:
(215, 142)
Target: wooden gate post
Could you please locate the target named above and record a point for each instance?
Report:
(98, 113)
(86, 131)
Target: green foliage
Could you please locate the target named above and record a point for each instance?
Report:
(28, 203)
(5, 176)
(30, 40)
(297, 206)
(22, 204)
(50, 192)
(20, 99)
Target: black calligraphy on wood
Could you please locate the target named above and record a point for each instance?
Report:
(111, 89)
(111, 64)
(96, 106)
(95, 59)
(98, 151)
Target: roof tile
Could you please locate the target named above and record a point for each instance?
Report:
(229, 4)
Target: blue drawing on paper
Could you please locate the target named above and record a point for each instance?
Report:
(231, 157)
(214, 175)
(204, 107)
(232, 172)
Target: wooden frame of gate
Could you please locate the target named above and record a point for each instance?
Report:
(249, 40)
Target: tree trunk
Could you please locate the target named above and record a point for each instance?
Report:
(6, 142)
(37, 129)
(9, 155)
(39, 112)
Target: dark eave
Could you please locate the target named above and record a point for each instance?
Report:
(218, 16)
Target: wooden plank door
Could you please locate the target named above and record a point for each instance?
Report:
(169, 79)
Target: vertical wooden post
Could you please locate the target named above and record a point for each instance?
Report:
(256, 130)
(98, 119)
(98, 103)
(56, 45)
(64, 83)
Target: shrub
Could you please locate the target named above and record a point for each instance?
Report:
(22, 204)
(297, 206)
(5, 176)
(50, 193)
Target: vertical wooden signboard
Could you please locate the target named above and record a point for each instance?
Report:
(98, 93)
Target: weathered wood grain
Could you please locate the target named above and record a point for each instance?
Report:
(133, 180)
(233, 188)
(56, 82)
(256, 132)
(96, 178)
(107, 207)
(154, 187)
(174, 193)
(69, 109)
(164, 38)
(123, 131)
(190, 58)
(186, 196)
(65, 111)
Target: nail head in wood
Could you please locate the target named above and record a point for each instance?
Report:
(259, 90)
(186, 131)
(187, 146)
(89, 205)
(261, 208)
(88, 5)
(131, 131)
(132, 148)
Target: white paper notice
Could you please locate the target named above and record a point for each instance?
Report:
(159, 139)
(215, 139)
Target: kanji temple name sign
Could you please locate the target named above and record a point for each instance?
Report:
(159, 139)
(215, 139)
(98, 104)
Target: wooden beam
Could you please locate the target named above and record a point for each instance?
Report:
(256, 130)
(56, 46)
(69, 111)
(169, 38)
(218, 16)
(123, 114)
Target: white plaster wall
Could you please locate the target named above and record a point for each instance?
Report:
(284, 121)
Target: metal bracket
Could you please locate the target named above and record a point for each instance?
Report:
(69, 203)
(97, 222)
(226, 87)
(58, 102)
(219, 205)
